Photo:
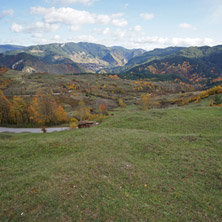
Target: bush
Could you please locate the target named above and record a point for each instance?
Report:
(217, 100)
(73, 123)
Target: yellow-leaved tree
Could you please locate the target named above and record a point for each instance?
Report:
(144, 101)
(121, 102)
(19, 111)
(45, 111)
(4, 109)
(83, 112)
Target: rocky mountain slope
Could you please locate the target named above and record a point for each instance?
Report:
(31, 64)
(92, 57)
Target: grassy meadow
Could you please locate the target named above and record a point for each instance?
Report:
(155, 165)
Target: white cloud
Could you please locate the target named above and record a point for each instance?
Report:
(103, 19)
(119, 22)
(36, 27)
(147, 16)
(69, 16)
(37, 35)
(160, 41)
(40, 41)
(150, 40)
(75, 19)
(119, 33)
(57, 37)
(38, 10)
(8, 12)
(42, 27)
(83, 38)
(70, 2)
(16, 27)
(187, 26)
(106, 31)
(191, 41)
(137, 28)
(74, 28)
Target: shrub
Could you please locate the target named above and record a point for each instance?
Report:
(73, 123)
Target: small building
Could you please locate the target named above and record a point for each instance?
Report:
(86, 124)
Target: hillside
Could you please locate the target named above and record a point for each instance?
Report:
(31, 64)
(83, 53)
(195, 64)
(146, 57)
(93, 89)
(156, 165)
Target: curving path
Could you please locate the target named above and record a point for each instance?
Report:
(31, 130)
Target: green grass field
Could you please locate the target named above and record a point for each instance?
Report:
(155, 165)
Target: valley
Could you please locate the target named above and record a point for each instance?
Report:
(111, 111)
(155, 154)
(60, 73)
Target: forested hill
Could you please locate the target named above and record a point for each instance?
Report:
(196, 64)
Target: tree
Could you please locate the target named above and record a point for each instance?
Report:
(144, 101)
(45, 111)
(102, 108)
(32, 114)
(121, 102)
(61, 114)
(19, 111)
(73, 123)
(217, 100)
(4, 108)
(83, 112)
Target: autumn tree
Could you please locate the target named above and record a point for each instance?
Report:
(102, 108)
(61, 114)
(45, 111)
(121, 102)
(19, 111)
(144, 101)
(73, 123)
(4, 108)
(83, 112)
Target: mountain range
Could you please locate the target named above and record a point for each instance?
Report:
(88, 57)
(192, 64)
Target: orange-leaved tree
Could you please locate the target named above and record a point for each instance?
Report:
(19, 111)
(102, 108)
(45, 111)
(4, 108)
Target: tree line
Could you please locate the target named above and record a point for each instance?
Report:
(41, 110)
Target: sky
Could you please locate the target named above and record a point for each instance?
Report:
(146, 24)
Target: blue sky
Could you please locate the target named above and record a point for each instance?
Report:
(144, 24)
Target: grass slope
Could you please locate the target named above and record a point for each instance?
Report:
(156, 165)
